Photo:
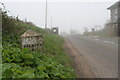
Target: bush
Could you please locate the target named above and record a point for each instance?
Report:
(20, 62)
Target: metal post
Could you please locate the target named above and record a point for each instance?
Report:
(46, 16)
(51, 21)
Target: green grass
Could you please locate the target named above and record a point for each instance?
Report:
(17, 62)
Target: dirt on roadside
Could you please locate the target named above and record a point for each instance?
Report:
(82, 68)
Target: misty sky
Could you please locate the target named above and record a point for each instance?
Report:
(65, 15)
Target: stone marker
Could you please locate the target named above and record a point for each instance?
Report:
(31, 39)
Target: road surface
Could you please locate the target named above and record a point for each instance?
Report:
(100, 53)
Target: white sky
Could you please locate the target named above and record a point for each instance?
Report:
(78, 13)
(58, 0)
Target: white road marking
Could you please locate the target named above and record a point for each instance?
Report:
(108, 41)
(96, 39)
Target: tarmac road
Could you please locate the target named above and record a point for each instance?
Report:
(100, 53)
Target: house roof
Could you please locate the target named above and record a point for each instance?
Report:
(29, 33)
(114, 5)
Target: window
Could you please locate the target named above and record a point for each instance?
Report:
(116, 11)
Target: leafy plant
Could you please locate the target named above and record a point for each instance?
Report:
(20, 62)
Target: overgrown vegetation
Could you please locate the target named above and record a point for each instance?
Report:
(19, 62)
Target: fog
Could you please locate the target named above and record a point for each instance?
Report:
(65, 15)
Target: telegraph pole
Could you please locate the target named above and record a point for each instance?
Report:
(51, 21)
(71, 26)
(46, 16)
(71, 29)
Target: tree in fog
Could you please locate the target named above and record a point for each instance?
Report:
(73, 32)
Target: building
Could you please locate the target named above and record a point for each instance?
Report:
(31, 39)
(114, 17)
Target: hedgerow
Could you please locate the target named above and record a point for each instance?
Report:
(20, 62)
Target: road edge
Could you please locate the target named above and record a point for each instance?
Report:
(82, 68)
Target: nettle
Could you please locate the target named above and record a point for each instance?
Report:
(22, 63)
